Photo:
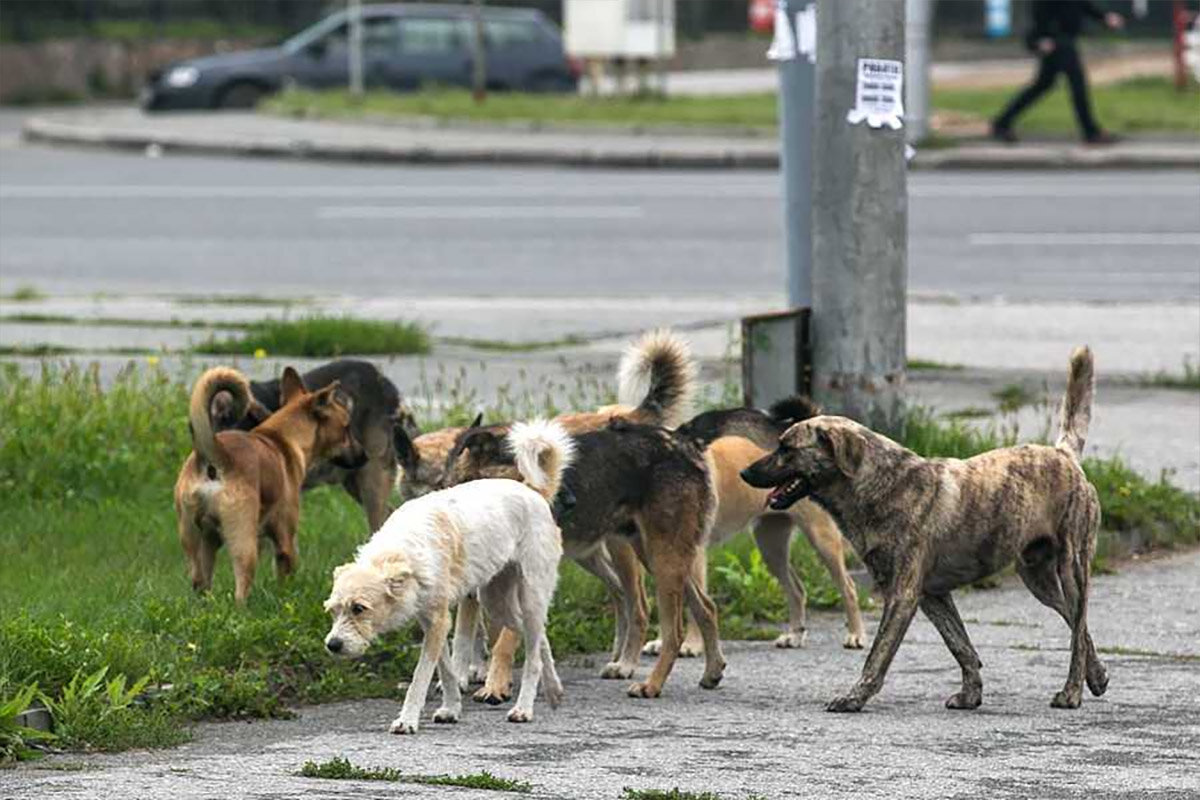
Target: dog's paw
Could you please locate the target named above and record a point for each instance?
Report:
(1067, 699)
(644, 690)
(614, 670)
(854, 641)
(965, 700)
(492, 697)
(519, 715)
(555, 696)
(712, 680)
(845, 704)
(792, 639)
(401, 728)
(1097, 680)
(652, 647)
(691, 649)
(476, 674)
(445, 715)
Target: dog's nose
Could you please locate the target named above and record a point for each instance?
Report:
(334, 645)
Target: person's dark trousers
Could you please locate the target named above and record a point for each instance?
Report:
(1065, 59)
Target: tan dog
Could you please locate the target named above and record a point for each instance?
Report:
(237, 486)
(926, 526)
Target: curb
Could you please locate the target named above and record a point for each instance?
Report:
(753, 155)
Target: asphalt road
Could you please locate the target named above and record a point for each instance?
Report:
(83, 222)
(764, 730)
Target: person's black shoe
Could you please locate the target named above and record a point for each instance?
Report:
(1101, 138)
(1003, 134)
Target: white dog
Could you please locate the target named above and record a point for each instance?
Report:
(495, 536)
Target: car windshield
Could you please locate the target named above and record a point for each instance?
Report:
(314, 32)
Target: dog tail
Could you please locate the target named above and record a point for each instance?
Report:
(1077, 402)
(213, 381)
(657, 375)
(791, 410)
(543, 450)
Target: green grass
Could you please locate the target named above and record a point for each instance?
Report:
(92, 577)
(318, 336)
(1013, 397)
(1143, 104)
(342, 770)
(1189, 378)
(238, 300)
(25, 293)
(925, 364)
(743, 111)
(1130, 107)
(122, 322)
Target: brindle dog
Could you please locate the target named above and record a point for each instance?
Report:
(927, 526)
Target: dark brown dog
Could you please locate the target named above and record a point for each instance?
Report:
(237, 486)
(927, 526)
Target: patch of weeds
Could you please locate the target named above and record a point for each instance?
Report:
(969, 412)
(25, 293)
(238, 300)
(94, 713)
(36, 350)
(503, 346)
(320, 336)
(921, 364)
(1188, 379)
(1013, 397)
(17, 742)
(342, 769)
(121, 322)
(1162, 514)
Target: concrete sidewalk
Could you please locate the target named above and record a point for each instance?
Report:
(248, 134)
(764, 730)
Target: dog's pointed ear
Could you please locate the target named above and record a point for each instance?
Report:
(332, 395)
(396, 571)
(478, 421)
(846, 447)
(291, 386)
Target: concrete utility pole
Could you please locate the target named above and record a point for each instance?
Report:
(917, 35)
(797, 108)
(478, 54)
(355, 48)
(860, 224)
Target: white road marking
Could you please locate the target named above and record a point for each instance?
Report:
(479, 212)
(1165, 239)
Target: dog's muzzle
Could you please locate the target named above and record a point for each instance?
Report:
(334, 645)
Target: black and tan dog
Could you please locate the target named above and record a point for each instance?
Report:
(736, 438)
(927, 526)
(377, 412)
(237, 486)
(645, 486)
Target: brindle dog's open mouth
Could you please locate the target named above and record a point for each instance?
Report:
(784, 495)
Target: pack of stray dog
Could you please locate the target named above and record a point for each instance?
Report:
(635, 487)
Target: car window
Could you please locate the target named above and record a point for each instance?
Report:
(505, 33)
(432, 35)
(379, 34)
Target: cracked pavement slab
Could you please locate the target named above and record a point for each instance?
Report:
(764, 731)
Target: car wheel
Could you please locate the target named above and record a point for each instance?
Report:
(240, 95)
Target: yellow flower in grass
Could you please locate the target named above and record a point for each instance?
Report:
(260, 353)
(152, 360)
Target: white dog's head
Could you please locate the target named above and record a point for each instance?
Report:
(368, 600)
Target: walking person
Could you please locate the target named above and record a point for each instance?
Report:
(1057, 25)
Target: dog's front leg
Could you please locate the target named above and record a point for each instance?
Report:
(434, 641)
(898, 612)
(466, 623)
(944, 615)
(451, 708)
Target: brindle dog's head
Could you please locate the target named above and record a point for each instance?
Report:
(480, 453)
(812, 455)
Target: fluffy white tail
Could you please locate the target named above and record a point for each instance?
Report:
(543, 450)
(1077, 402)
(657, 375)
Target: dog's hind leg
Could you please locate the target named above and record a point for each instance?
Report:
(434, 641)
(628, 566)
(823, 534)
(1038, 568)
(242, 540)
(533, 617)
(600, 563)
(199, 547)
(371, 485)
(1074, 574)
(466, 622)
(500, 605)
(773, 535)
(944, 615)
(704, 612)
